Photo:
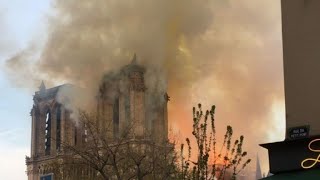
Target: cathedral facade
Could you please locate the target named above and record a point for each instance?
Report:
(122, 103)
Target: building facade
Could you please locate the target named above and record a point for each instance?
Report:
(301, 42)
(121, 105)
(297, 157)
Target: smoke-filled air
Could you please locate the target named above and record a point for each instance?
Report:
(222, 52)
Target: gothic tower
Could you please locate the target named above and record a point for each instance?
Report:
(122, 112)
(51, 125)
(122, 104)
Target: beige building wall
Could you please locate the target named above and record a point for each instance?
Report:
(301, 53)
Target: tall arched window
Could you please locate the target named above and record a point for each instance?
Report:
(75, 135)
(58, 132)
(48, 133)
(116, 118)
(85, 133)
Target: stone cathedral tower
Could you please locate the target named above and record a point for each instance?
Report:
(122, 102)
(121, 105)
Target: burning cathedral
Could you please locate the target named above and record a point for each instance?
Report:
(121, 100)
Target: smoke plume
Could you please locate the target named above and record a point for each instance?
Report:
(223, 52)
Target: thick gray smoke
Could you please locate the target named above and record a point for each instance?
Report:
(223, 52)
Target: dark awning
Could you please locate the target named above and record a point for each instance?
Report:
(313, 174)
(287, 156)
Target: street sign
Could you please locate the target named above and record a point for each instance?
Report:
(46, 177)
(298, 132)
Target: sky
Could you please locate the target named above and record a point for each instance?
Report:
(20, 22)
(232, 58)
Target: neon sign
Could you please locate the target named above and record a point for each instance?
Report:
(313, 161)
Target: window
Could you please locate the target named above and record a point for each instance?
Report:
(116, 118)
(85, 134)
(48, 133)
(75, 135)
(58, 132)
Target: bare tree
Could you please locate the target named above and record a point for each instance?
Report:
(211, 164)
(123, 157)
(102, 156)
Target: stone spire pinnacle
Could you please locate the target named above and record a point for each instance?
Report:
(42, 87)
(258, 169)
(134, 59)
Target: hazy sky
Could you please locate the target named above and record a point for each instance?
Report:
(20, 22)
(242, 44)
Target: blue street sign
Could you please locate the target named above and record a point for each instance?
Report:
(47, 177)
